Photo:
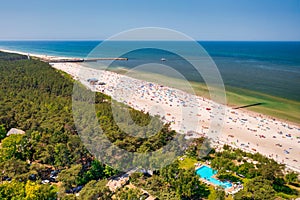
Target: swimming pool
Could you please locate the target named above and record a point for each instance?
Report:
(206, 173)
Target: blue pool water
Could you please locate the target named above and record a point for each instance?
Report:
(207, 173)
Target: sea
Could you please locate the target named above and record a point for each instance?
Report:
(271, 68)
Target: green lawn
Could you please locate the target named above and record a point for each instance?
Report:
(187, 163)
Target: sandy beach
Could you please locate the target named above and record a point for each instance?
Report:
(194, 116)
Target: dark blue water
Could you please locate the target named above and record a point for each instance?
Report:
(269, 67)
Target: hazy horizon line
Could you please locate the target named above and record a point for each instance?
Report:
(101, 40)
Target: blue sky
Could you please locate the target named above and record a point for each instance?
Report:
(200, 19)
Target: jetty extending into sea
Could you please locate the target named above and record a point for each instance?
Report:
(61, 60)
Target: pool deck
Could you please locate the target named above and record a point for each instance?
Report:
(231, 190)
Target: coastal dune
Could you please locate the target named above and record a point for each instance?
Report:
(196, 116)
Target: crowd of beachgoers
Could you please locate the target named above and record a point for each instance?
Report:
(196, 116)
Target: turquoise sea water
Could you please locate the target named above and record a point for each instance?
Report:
(268, 67)
(207, 173)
